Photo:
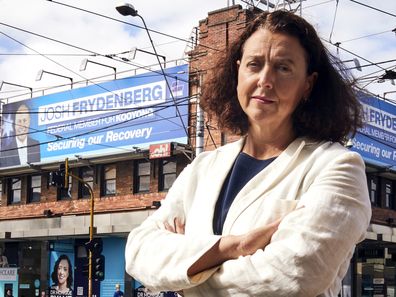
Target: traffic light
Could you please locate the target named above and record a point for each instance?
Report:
(55, 179)
(60, 178)
(95, 246)
(98, 267)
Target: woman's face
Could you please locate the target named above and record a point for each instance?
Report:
(272, 79)
(63, 272)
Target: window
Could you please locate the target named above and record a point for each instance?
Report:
(87, 175)
(167, 174)
(141, 177)
(387, 193)
(34, 188)
(14, 194)
(108, 180)
(373, 184)
(65, 193)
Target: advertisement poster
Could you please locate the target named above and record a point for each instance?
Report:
(101, 119)
(61, 275)
(376, 140)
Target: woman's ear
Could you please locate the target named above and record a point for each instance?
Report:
(311, 80)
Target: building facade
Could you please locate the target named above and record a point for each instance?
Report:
(39, 223)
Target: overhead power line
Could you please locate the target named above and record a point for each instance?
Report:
(130, 24)
(388, 13)
(60, 138)
(113, 57)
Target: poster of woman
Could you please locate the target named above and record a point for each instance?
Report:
(62, 278)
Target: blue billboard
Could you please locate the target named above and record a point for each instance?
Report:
(376, 140)
(102, 119)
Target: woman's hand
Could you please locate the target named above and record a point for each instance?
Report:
(259, 238)
(233, 246)
(176, 227)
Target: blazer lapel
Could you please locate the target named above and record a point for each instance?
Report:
(211, 181)
(263, 181)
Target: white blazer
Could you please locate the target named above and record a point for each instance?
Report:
(308, 255)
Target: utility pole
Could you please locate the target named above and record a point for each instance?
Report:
(60, 178)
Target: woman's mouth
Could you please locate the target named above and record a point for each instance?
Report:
(263, 99)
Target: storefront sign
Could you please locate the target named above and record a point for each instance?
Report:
(161, 150)
(8, 274)
(376, 140)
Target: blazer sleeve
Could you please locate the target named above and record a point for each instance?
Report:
(312, 243)
(158, 258)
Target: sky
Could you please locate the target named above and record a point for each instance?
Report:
(363, 32)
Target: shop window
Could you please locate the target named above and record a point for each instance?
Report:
(373, 184)
(14, 190)
(34, 188)
(167, 174)
(387, 193)
(141, 177)
(65, 193)
(87, 175)
(108, 183)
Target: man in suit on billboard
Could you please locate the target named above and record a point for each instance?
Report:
(20, 149)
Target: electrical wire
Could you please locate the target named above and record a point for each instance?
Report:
(127, 23)
(374, 8)
(115, 58)
(94, 131)
(334, 18)
(124, 111)
(365, 36)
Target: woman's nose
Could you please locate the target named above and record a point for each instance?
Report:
(265, 79)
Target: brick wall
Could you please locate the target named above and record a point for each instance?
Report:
(220, 29)
(124, 200)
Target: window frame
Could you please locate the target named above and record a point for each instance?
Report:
(163, 175)
(65, 194)
(11, 190)
(83, 191)
(138, 175)
(31, 191)
(104, 181)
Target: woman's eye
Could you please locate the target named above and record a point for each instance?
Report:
(283, 68)
(253, 64)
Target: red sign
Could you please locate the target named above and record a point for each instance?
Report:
(161, 150)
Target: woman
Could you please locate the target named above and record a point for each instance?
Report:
(279, 212)
(62, 277)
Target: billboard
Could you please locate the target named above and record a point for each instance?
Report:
(102, 119)
(61, 275)
(376, 140)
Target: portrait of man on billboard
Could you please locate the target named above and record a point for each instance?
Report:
(17, 146)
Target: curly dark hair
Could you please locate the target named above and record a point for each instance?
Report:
(332, 110)
(54, 274)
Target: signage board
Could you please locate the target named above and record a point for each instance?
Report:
(376, 140)
(161, 150)
(8, 274)
(101, 119)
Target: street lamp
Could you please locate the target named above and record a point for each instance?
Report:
(16, 85)
(132, 54)
(41, 72)
(127, 9)
(84, 63)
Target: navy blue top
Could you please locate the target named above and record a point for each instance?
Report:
(243, 170)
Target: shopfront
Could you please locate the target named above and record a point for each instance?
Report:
(375, 266)
(9, 281)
